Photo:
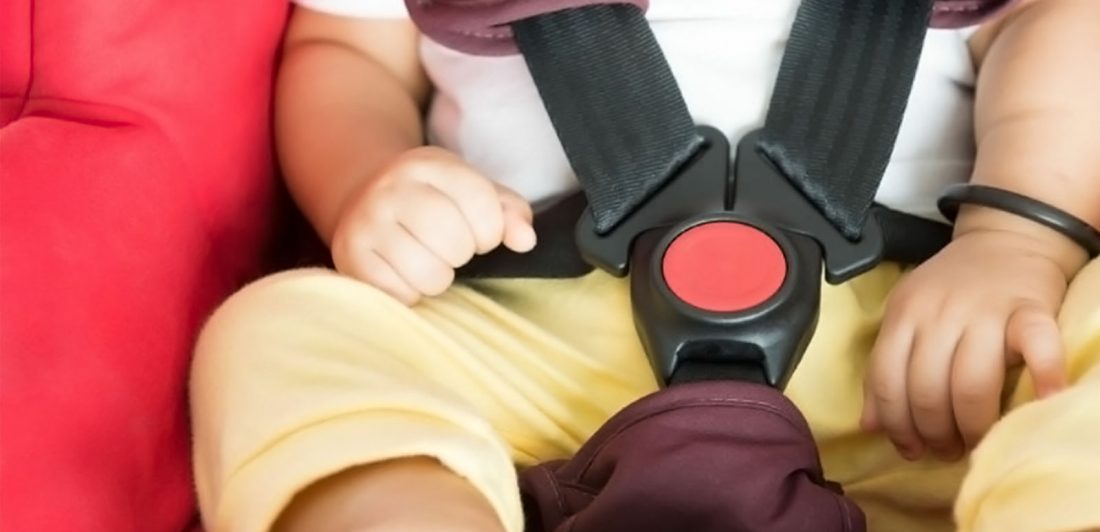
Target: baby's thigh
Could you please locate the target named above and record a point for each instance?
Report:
(306, 373)
(543, 362)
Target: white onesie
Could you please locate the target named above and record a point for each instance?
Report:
(487, 109)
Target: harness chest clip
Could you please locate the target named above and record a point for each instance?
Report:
(725, 270)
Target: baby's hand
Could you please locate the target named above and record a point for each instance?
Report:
(986, 302)
(423, 216)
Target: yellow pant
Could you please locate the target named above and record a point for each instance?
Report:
(306, 373)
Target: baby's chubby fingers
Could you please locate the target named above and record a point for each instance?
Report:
(421, 268)
(439, 224)
(929, 386)
(1032, 333)
(977, 378)
(473, 194)
(423, 216)
(494, 214)
(356, 252)
(374, 270)
(886, 403)
(519, 234)
(949, 331)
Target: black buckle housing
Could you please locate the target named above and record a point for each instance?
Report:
(765, 342)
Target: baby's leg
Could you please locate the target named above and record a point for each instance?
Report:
(316, 397)
(1039, 468)
(402, 494)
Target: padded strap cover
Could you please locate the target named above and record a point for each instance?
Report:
(483, 27)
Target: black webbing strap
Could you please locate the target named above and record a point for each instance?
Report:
(613, 101)
(836, 109)
(909, 239)
(839, 98)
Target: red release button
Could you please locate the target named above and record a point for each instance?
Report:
(724, 266)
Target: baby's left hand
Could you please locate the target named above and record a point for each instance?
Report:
(986, 302)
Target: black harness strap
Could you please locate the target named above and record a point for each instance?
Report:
(839, 99)
(613, 101)
(836, 108)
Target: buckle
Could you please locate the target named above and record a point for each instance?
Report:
(723, 296)
(726, 272)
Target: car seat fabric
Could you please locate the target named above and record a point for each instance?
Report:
(136, 187)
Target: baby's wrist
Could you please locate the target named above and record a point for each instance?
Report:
(1024, 235)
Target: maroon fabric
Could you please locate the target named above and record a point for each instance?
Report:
(713, 456)
(948, 14)
(481, 27)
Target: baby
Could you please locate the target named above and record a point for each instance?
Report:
(339, 402)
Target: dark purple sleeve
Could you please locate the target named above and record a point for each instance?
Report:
(949, 14)
(481, 27)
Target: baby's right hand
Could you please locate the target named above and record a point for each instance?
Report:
(424, 215)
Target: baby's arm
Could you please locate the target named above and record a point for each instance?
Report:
(989, 300)
(348, 128)
(348, 101)
(1038, 119)
(396, 214)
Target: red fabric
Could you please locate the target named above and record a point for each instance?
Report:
(136, 184)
